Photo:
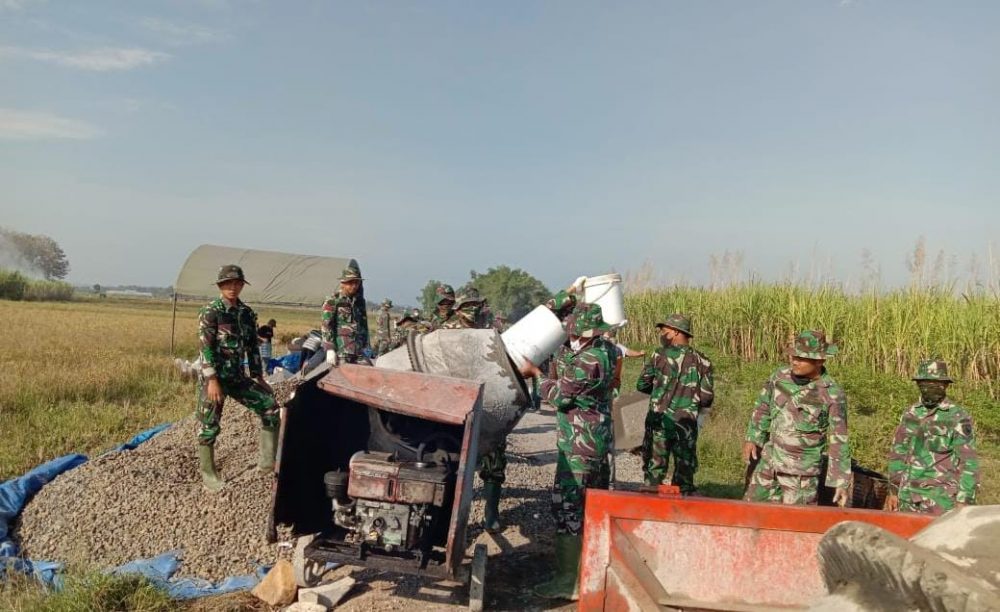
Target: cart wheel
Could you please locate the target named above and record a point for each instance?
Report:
(307, 572)
(477, 578)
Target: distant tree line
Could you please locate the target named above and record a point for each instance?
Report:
(16, 286)
(509, 290)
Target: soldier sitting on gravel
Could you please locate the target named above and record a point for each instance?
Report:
(227, 329)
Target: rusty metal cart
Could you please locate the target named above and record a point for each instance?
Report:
(375, 469)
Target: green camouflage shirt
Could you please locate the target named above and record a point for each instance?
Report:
(797, 424)
(227, 335)
(585, 379)
(679, 382)
(345, 325)
(935, 448)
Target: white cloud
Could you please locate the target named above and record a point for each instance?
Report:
(183, 34)
(100, 60)
(33, 125)
(16, 5)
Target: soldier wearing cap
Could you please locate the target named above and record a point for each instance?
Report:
(227, 331)
(445, 302)
(409, 321)
(800, 415)
(383, 323)
(678, 379)
(582, 399)
(933, 466)
(345, 319)
(466, 313)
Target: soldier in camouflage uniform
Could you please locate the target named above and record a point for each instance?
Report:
(227, 331)
(800, 415)
(500, 322)
(445, 302)
(492, 466)
(383, 325)
(410, 321)
(345, 318)
(678, 379)
(582, 398)
(933, 466)
(466, 314)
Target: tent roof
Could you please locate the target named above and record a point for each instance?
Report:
(274, 277)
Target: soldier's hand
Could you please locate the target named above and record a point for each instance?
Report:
(891, 503)
(213, 391)
(529, 370)
(840, 497)
(750, 451)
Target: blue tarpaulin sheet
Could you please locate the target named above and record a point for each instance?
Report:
(17, 492)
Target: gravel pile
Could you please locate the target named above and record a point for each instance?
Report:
(150, 500)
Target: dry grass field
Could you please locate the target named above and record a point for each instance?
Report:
(85, 376)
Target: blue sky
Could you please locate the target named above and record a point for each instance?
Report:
(430, 138)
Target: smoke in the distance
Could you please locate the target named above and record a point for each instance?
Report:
(12, 259)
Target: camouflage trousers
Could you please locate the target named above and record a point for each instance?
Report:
(665, 437)
(382, 345)
(583, 441)
(925, 500)
(767, 485)
(245, 391)
(493, 466)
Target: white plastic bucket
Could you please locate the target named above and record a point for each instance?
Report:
(535, 337)
(607, 291)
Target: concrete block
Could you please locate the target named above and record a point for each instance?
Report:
(328, 595)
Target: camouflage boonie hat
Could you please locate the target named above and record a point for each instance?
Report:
(231, 272)
(465, 298)
(587, 321)
(812, 344)
(351, 273)
(444, 293)
(407, 316)
(679, 322)
(387, 303)
(932, 369)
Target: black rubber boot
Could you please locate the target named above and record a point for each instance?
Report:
(565, 583)
(491, 518)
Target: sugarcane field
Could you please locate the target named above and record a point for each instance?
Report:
(313, 306)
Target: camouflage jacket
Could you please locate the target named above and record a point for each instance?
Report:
(403, 330)
(679, 382)
(797, 424)
(345, 325)
(227, 335)
(383, 324)
(585, 378)
(935, 448)
(436, 321)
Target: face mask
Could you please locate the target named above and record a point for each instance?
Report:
(931, 393)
